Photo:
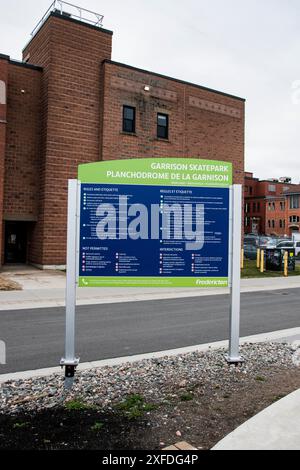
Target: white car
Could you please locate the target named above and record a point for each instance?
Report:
(290, 244)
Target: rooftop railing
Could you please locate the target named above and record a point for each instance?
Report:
(73, 11)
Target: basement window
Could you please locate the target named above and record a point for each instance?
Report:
(162, 126)
(129, 119)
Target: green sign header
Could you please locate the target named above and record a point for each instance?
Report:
(158, 172)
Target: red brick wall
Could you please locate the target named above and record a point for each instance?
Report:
(71, 55)
(259, 213)
(22, 157)
(275, 215)
(23, 148)
(3, 118)
(194, 131)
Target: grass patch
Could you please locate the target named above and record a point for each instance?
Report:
(78, 405)
(250, 271)
(134, 406)
(20, 425)
(186, 396)
(278, 397)
(97, 426)
(259, 378)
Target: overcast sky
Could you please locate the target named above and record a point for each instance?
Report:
(249, 48)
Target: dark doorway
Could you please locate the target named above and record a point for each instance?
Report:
(15, 242)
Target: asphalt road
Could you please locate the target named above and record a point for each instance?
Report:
(35, 338)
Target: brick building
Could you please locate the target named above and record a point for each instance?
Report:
(272, 207)
(68, 103)
(293, 209)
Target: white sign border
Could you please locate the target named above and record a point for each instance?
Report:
(70, 361)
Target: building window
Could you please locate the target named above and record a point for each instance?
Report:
(282, 223)
(258, 207)
(294, 202)
(269, 223)
(2, 92)
(254, 206)
(272, 188)
(162, 126)
(273, 223)
(128, 119)
(294, 219)
(247, 221)
(250, 190)
(282, 206)
(271, 206)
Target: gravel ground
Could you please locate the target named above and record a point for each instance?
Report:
(150, 404)
(154, 379)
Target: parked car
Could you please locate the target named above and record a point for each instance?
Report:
(250, 251)
(267, 242)
(286, 245)
(279, 240)
(251, 240)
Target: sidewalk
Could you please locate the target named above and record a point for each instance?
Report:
(275, 428)
(47, 289)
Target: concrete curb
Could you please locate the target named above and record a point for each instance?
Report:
(260, 338)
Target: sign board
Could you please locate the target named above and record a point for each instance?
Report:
(155, 223)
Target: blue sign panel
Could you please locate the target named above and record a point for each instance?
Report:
(136, 235)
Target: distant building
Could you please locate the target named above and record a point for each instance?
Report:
(271, 207)
(68, 103)
(293, 209)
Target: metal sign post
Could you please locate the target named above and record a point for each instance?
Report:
(235, 275)
(70, 362)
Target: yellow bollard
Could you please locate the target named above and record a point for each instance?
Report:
(286, 264)
(262, 261)
(258, 258)
(242, 258)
